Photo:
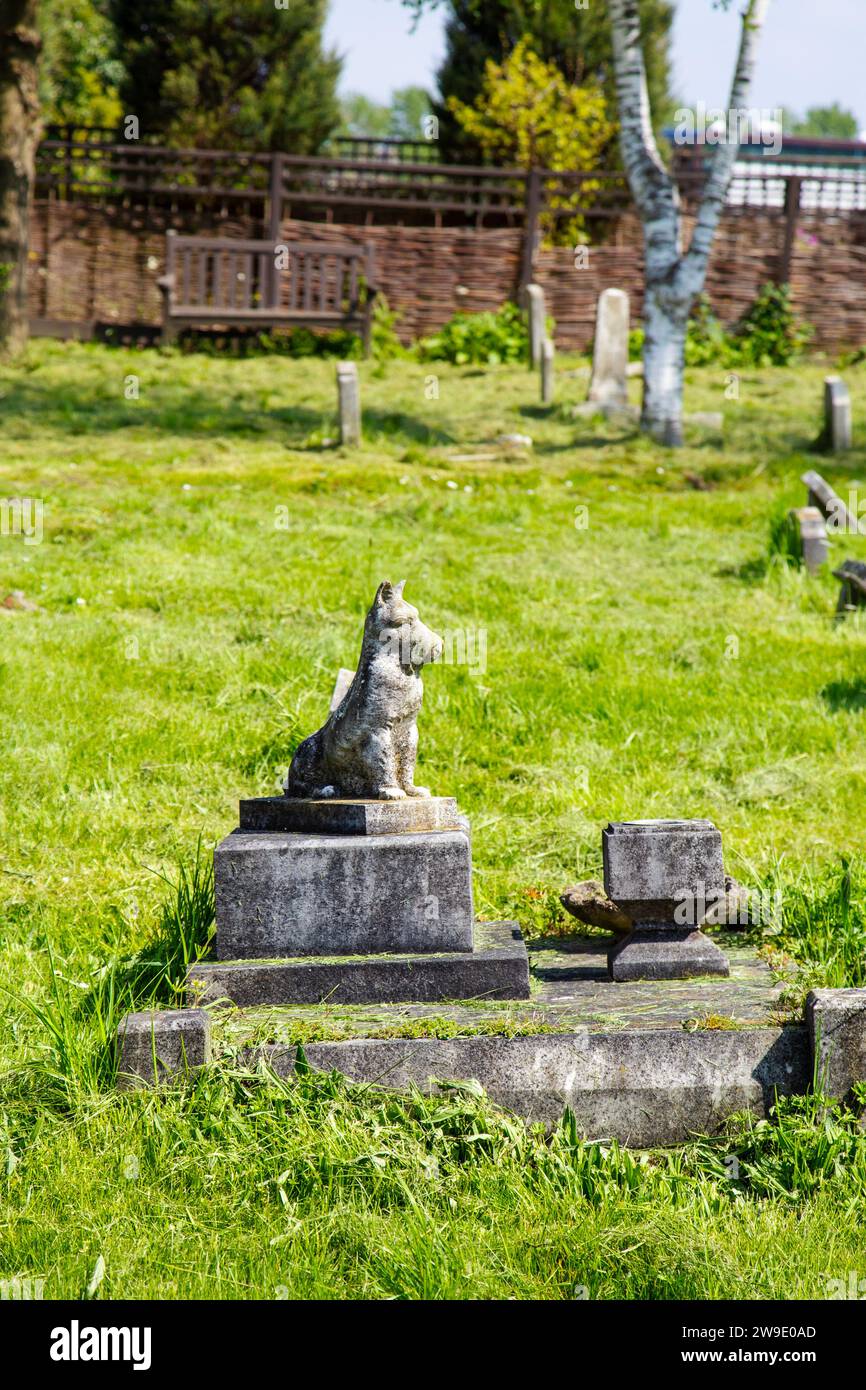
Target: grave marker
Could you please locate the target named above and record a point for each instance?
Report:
(663, 874)
(610, 351)
(810, 536)
(837, 414)
(537, 326)
(828, 502)
(349, 398)
(547, 358)
(852, 595)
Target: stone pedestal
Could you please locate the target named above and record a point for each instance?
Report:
(810, 536)
(537, 326)
(852, 595)
(610, 352)
(664, 874)
(349, 401)
(355, 901)
(837, 414)
(547, 360)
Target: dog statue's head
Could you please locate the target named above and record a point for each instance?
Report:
(396, 626)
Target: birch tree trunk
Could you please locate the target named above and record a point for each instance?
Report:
(674, 278)
(19, 136)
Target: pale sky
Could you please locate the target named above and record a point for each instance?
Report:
(813, 52)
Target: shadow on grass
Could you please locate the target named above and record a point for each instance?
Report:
(191, 411)
(167, 408)
(845, 695)
(391, 423)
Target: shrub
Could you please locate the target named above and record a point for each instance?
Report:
(528, 115)
(485, 338)
(770, 333)
(385, 343)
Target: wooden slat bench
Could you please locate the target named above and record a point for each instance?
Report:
(211, 281)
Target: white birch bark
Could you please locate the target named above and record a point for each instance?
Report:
(674, 278)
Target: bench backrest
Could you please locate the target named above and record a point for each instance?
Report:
(228, 273)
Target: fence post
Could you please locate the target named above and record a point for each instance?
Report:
(275, 198)
(275, 217)
(530, 227)
(69, 133)
(792, 209)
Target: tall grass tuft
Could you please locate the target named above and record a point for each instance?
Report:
(79, 1019)
(824, 922)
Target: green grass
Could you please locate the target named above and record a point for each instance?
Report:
(205, 567)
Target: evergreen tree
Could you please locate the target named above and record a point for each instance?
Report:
(577, 40)
(825, 123)
(227, 75)
(79, 71)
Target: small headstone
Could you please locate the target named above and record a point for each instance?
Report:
(537, 326)
(852, 595)
(837, 414)
(610, 352)
(828, 502)
(514, 443)
(341, 685)
(810, 536)
(547, 356)
(663, 874)
(349, 396)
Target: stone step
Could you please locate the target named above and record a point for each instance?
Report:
(498, 968)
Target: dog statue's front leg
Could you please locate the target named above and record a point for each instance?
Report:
(380, 757)
(408, 750)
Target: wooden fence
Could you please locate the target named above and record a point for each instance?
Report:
(448, 237)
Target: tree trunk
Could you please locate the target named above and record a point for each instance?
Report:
(19, 136)
(673, 279)
(664, 354)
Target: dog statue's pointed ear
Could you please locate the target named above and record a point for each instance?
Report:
(398, 588)
(385, 592)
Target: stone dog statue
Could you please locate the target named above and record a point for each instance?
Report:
(367, 747)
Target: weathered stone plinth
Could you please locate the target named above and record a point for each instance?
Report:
(299, 894)
(353, 902)
(497, 968)
(333, 816)
(663, 874)
(160, 1045)
(655, 952)
(837, 1026)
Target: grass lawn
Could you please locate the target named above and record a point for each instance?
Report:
(636, 650)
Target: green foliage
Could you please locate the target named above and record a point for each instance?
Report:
(486, 338)
(833, 122)
(384, 340)
(770, 333)
(527, 115)
(810, 1144)
(824, 922)
(80, 71)
(577, 41)
(298, 341)
(401, 119)
(217, 74)
(783, 543)
(160, 516)
(360, 115)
